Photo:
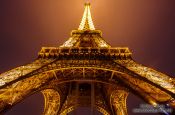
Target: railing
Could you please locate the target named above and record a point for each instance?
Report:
(122, 52)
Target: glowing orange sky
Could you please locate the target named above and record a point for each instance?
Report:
(147, 27)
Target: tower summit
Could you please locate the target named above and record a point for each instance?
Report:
(86, 22)
(86, 35)
(85, 72)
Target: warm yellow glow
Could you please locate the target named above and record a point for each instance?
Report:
(86, 22)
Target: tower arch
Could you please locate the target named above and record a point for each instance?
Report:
(85, 58)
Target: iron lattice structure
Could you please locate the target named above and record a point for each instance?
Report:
(85, 71)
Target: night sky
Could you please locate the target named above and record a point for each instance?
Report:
(147, 27)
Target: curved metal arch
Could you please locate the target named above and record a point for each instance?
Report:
(68, 110)
(138, 91)
(120, 67)
(72, 108)
(131, 73)
(101, 110)
(24, 87)
(135, 87)
(135, 76)
(38, 71)
(148, 99)
(104, 69)
(132, 88)
(52, 102)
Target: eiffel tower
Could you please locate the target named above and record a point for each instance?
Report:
(85, 72)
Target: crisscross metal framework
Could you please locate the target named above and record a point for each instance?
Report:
(85, 71)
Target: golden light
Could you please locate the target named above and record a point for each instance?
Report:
(86, 22)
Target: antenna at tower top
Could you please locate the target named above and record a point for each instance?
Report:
(88, 1)
(86, 22)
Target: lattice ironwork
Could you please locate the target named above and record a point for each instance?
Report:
(85, 71)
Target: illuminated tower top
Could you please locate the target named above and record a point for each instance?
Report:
(86, 22)
(86, 35)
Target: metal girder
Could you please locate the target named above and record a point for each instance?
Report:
(144, 87)
(13, 94)
(52, 102)
(106, 72)
(19, 72)
(85, 58)
(150, 74)
(83, 99)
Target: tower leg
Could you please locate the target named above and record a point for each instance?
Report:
(118, 100)
(52, 102)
